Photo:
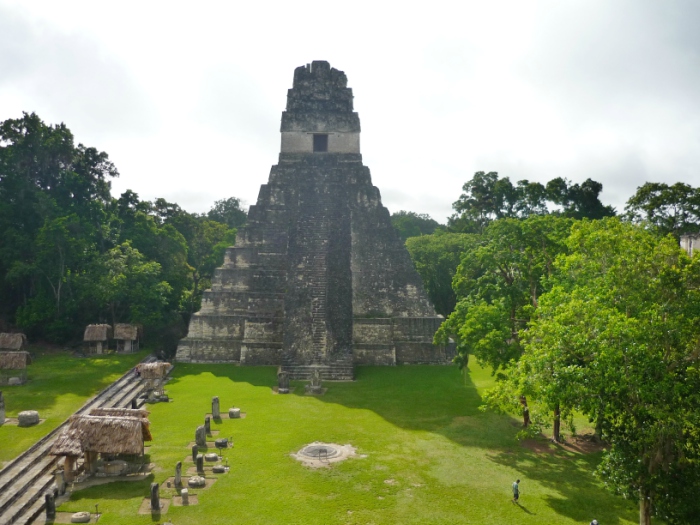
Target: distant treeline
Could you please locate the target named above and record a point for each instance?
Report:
(71, 254)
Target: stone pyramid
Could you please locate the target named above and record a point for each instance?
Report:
(319, 278)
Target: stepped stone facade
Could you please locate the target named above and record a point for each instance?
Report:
(318, 279)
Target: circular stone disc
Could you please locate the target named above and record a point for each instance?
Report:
(320, 451)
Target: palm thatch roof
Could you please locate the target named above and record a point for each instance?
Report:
(12, 341)
(15, 360)
(153, 370)
(98, 332)
(104, 434)
(120, 412)
(126, 332)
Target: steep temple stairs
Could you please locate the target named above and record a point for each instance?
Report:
(318, 279)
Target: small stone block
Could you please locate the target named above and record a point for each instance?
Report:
(196, 481)
(234, 413)
(28, 418)
(80, 517)
(218, 469)
(14, 381)
(211, 456)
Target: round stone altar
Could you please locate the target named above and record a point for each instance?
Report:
(319, 454)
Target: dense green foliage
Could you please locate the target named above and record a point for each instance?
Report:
(487, 198)
(670, 209)
(431, 456)
(411, 224)
(71, 254)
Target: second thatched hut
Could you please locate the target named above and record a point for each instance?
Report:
(127, 337)
(13, 367)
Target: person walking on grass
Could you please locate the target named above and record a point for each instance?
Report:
(516, 490)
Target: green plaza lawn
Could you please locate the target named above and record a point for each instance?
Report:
(59, 384)
(431, 456)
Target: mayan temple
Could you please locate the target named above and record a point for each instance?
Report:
(319, 278)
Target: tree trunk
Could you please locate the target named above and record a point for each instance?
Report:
(526, 412)
(599, 425)
(644, 508)
(556, 434)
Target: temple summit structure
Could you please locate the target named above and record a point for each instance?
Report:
(318, 279)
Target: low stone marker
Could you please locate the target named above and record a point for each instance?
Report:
(194, 453)
(178, 473)
(221, 443)
(196, 482)
(212, 456)
(215, 410)
(207, 425)
(200, 464)
(234, 413)
(14, 381)
(218, 469)
(80, 517)
(28, 418)
(282, 381)
(185, 494)
(155, 497)
(200, 436)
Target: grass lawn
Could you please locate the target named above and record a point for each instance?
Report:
(58, 385)
(431, 456)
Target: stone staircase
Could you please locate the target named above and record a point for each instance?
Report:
(25, 479)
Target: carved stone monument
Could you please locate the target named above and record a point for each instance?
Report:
(200, 464)
(178, 473)
(200, 436)
(194, 453)
(50, 501)
(282, 381)
(60, 481)
(319, 278)
(215, 410)
(185, 494)
(207, 425)
(314, 386)
(155, 498)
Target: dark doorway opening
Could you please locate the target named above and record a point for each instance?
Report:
(320, 143)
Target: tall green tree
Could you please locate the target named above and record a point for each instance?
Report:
(228, 211)
(498, 286)
(670, 209)
(617, 335)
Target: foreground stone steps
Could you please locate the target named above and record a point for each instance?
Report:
(25, 480)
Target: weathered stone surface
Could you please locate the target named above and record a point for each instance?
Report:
(28, 418)
(196, 481)
(194, 451)
(50, 502)
(185, 494)
(319, 278)
(14, 381)
(200, 436)
(207, 425)
(80, 517)
(155, 497)
(200, 464)
(234, 413)
(218, 469)
(178, 473)
(211, 456)
(221, 443)
(215, 410)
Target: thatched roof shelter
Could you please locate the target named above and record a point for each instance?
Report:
(15, 360)
(153, 370)
(12, 341)
(126, 332)
(97, 332)
(120, 412)
(103, 434)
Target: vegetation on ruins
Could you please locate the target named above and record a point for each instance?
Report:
(73, 255)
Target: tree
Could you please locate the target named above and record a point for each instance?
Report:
(436, 258)
(617, 332)
(671, 209)
(229, 212)
(411, 224)
(498, 285)
(578, 200)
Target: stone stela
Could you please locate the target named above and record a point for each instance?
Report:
(318, 279)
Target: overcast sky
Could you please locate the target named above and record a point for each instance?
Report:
(187, 100)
